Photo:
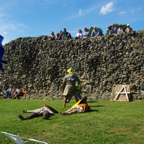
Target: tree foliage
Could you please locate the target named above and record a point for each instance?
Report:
(117, 26)
(91, 29)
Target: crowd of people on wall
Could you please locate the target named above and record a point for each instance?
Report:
(114, 30)
(95, 32)
(62, 35)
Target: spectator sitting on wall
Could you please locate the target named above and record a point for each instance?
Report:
(79, 35)
(120, 29)
(1, 84)
(86, 33)
(9, 92)
(95, 32)
(65, 34)
(58, 35)
(52, 35)
(128, 29)
(112, 29)
(18, 92)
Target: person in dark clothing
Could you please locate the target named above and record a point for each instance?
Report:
(65, 34)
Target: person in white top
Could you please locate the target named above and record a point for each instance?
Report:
(79, 35)
(129, 29)
(18, 92)
(52, 35)
(1, 83)
(86, 33)
(120, 29)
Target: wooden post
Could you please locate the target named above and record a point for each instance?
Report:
(126, 93)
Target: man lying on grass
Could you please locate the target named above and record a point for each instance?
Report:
(45, 111)
(79, 107)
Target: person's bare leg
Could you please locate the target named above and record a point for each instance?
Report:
(14, 96)
(65, 99)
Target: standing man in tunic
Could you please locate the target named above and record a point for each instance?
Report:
(69, 88)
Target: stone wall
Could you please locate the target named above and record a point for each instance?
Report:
(39, 64)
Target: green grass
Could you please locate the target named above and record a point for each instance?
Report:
(108, 122)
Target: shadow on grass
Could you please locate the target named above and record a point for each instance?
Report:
(91, 101)
(52, 118)
(98, 106)
(93, 110)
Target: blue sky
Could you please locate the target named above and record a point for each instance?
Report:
(24, 18)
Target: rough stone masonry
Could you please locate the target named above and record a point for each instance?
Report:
(39, 64)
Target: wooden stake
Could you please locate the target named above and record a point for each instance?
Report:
(118, 93)
(126, 93)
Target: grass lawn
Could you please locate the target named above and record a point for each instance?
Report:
(108, 122)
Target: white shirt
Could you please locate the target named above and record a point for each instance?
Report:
(79, 107)
(79, 35)
(53, 36)
(129, 30)
(9, 89)
(86, 34)
(18, 90)
(121, 30)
